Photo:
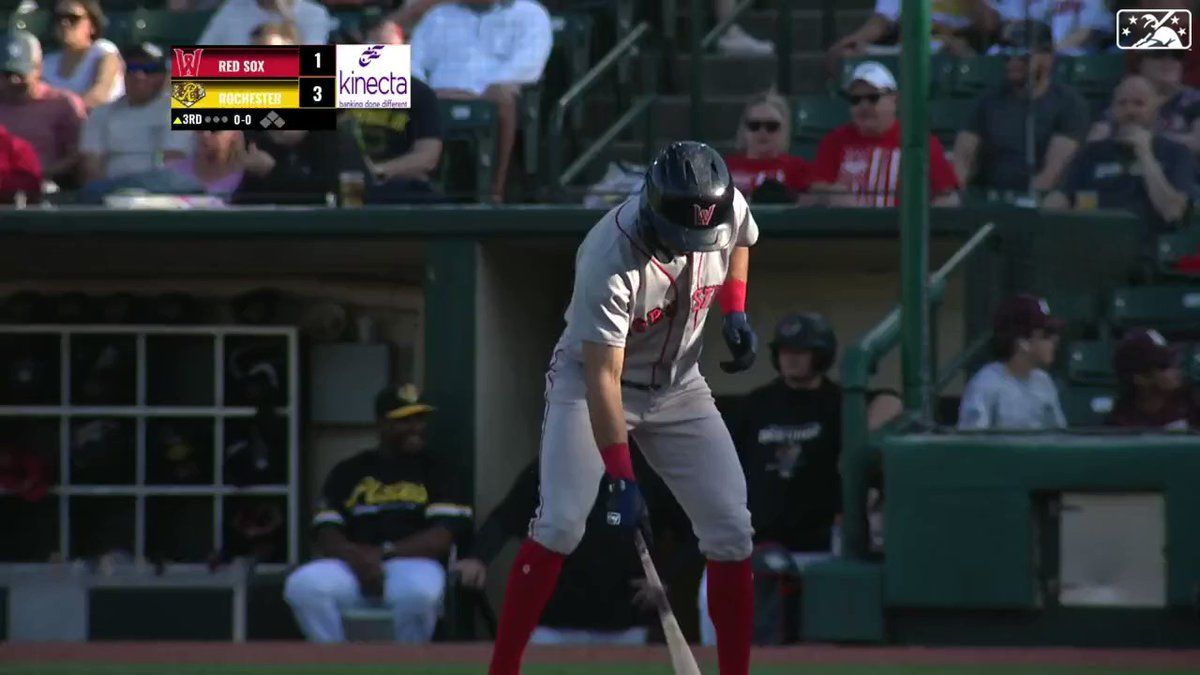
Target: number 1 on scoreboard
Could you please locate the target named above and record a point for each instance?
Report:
(317, 60)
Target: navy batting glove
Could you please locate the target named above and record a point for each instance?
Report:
(742, 341)
(624, 506)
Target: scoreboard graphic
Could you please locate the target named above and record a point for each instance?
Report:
(283, 87)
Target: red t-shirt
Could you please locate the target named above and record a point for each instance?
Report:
(869, 166)
(20, 170)
(748, 173)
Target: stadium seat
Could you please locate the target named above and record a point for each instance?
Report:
(1174, 310)
(1093, 75)
(162, 27)
(968, 77)
(815, 115)
(946, 118)
(1086, 406)
(1175, 245)
(1191, 363)
(38, 23)
(472, 123)
(1091, 363)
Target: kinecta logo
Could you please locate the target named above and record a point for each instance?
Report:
(352, 84)
(374, 76)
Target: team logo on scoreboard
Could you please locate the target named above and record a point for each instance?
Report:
(373, 76)
(188, 63)
(187, 93)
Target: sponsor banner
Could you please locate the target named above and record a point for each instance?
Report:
(373, 76)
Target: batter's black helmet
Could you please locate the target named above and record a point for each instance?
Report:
(687, 200)
(806, 331)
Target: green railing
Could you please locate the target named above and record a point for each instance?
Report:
(642, 106)
(702, 42)
(858, 364)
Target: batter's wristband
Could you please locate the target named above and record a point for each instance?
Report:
(617, 461)
(732, 296)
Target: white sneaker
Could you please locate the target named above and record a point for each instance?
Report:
(737, 42)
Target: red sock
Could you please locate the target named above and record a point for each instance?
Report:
(531, 582)
(731, 605)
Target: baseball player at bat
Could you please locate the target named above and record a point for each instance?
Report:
(627, 365)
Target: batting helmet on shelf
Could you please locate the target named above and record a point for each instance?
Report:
(806, 331)
(687, 200)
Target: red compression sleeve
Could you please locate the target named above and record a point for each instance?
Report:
(732, 296)
(617, 461)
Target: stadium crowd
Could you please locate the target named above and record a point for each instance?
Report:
(90, 97)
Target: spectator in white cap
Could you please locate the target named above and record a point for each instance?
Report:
(858, 164)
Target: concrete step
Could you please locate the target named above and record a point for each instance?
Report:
(745, 75)
(634, 152)
(807, 26)
(673, 117)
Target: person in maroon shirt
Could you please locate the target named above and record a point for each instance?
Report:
(50, 119)
(1152, 391)
(858, 164)
(762, 168)
(20, 170)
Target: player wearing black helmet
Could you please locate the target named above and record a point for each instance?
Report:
(789, 436)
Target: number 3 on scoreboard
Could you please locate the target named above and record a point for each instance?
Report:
(316, 92)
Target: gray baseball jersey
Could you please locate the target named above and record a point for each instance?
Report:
(656, 311)
(627, 298)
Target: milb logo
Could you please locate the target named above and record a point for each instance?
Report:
(374, 76)
(1146, 29)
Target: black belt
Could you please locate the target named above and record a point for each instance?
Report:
(641, 387)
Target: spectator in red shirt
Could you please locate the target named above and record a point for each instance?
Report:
(20, 170)
(858, 164)
(762, 159)
(1152, 392)
(50, 119)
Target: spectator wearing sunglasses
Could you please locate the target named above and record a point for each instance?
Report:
(49, 118)
(762, 168)
(992, 148)
(131, 135)
(858, 164)
(87, 65)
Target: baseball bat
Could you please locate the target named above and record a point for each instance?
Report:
(683, 662)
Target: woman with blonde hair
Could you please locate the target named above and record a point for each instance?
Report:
(761, 164)
(218, 162)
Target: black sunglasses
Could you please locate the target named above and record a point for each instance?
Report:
(69, 18)
(148, 68)
(855, 99)
(769, 125)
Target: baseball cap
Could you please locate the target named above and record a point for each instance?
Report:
(400, 402)
(21, 53)
(1143, 350)
(1019, 38)
(142, 51)
(1022, 314)
(875, 74)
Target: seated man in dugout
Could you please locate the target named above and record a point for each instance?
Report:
(385, 524)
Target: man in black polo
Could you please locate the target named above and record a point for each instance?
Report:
(385, 524)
